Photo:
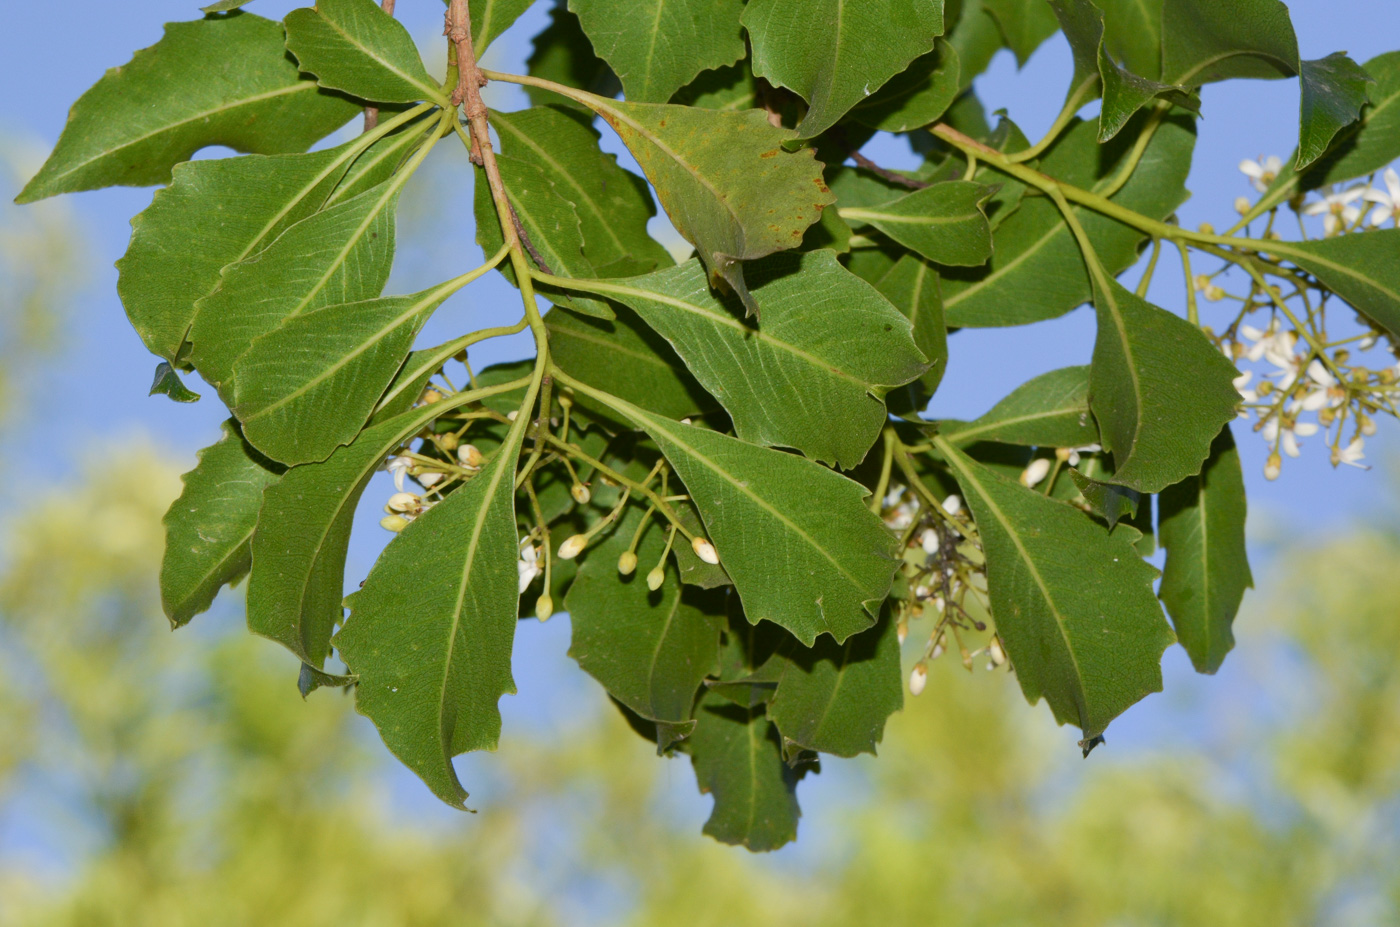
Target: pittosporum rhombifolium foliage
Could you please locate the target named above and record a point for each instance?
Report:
(719, 466)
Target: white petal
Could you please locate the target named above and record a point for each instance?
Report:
(1320, 374)
(1314, 401)
(1392, 183)
(1305, 429)
(1251, 168)
(1290, 444)
(1270, 431)
(1252, 333)
(1273, 164)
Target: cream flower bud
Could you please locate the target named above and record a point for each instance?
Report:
(902, 631)
(1201, 281)
(580, 493)
(1207, 229)
(1273, 466)
(627, 563)
(705, 550)
(1366, 424)
(544, 607)
(431, 396)
(512, 415)
(952, 505)
(655, 578)
(995, 652)
(1036, 472)
(1242, 204)
(430, 479)
(1214, 293)
(918, 678)
(449, 441)
(394, 523)
(469, 456)
(404, 502)
(572, 547)
(937, 650)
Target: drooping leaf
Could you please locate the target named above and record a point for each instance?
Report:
(915, 97)
(1051, 410)
(650, 650)
(1073, 604)
(563, 54)
(168, 383)
(1036, 271)
(1025, 24)
(1159, 388)
(976, 38)
(1360, 268)
(1109, 500)
(911, 285)
(490, 18)
(1213, 40)
(944, 222)
(308, 386)
(658, 46)
(835, 53)
(219, 81)
(1133, 34)
(801, 546)
(433, 658)
(1334, 91)
(1207, 568)
(208, 529)
(835, 698)
(340, 255)
(355, 47)
(811, 375)
(613, 204)
(739, 760)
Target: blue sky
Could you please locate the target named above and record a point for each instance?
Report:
(54, 51)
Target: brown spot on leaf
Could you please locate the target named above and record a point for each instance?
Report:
(770, 154)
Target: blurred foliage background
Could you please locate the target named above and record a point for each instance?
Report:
(162, 780)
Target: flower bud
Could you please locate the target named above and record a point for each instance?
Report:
(469, 456)
(1366, 423)
(937, 650)
(995, 652)
(918, 678)
(404, 502)
(580, 493)
(1273, 466)
(565, 401)
(1214, 293)
(430, 479)
(1241, 204)
(1206, 228)
(705, 550)
(656, 577)
(572, 547)
(902, 630)
(512, 415)
(627, 563)
(431, 396)
(952, 505)
(1036, 472)
(1201, 281)
(394, 523)
(544, 607)
(449, 441)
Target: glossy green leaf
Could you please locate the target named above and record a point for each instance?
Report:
(1334, 91)
(915, 97)
(1073, 604)
(1207, 570)
(1036, 271)
(1051, 410)
(1360, 268)
(168, 383)
(1161, 391)
(658, 46)
(143, 118)
(491, 18)
(738, 759)
(1214, 40)
(1025, 24)
(613, 204)
(308, 386)
(803, 549)
(811, 375)
(208, 529)
(355, 47)
(835, 53)
(340, 255)
(944, 222)
(911, 285)
(650, 650)
(835, 698)
(563, 54)
(433, 658)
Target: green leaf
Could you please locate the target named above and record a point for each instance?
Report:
(255, 198)
(943, 222)
(1360, 268)
(355, 47)
(917, 96)
(911, 285)
(1334, 91)
(811, 375)
(308, 386)
(732, 88)
(835, 53)
(1036, 271)
(723, 178)
(613, 204)
(1214, 40)
(1051, 410)
(1073, 604)
(412, 378)
(627, 359)
(658, 46)
(550, 221)
(1109, 500)
(1025, 24)
(835, 698)
(168, 383)
(1161, 391)
(224, 6)
(143, 118)
(563, 54)
(650, 650)
(208, 529)
(803, 549)
(738, 759)
(433, 658)
(976, 38)
(1133, 34)
(340, 255)
(1201, 525)
(491, 18)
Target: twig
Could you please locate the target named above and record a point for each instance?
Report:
(870, 165)
(524, 237)
(372, 112)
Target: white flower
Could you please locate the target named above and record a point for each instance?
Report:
(1263, 172)
(1387, 203)
(918, 678)
(952, 505)
(929, 541)
(1319, 374)
(1036, 472)
(1337, 209)
(398, 468)
(1072, 458)
(528, 565)
(1288, 436)
(705, 550)
(1351, 455)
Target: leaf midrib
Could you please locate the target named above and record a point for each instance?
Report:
(973, 429)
